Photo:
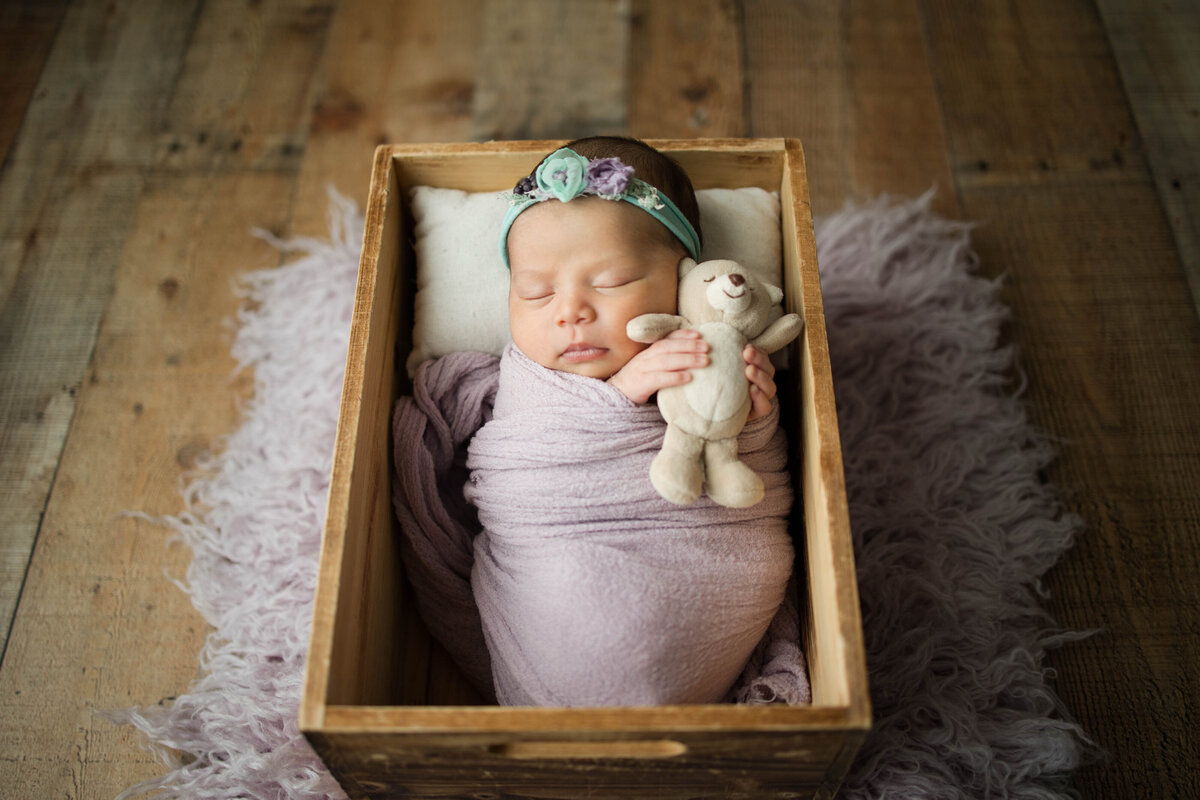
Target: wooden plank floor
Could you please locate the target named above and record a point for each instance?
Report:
(141, 140)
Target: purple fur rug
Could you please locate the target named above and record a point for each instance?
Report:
(953, 528)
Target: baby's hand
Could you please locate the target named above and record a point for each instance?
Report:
(761, 374)
(662, 364)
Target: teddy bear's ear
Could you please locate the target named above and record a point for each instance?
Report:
(686, 265)
(775, 293)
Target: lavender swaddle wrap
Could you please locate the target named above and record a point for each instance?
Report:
(590, 588)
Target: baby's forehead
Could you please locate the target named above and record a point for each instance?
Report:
(581, 213)
(587, 222)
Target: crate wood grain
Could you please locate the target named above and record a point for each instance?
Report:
(389, 713)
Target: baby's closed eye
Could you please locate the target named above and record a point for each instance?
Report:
(534, 291)
(618, 281)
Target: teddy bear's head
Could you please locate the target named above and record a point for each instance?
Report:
(724, 291)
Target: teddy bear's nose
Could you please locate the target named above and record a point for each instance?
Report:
(735, 279)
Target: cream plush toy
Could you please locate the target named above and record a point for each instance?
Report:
(730, 308)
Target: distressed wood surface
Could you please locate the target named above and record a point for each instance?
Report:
(827, 74)
(550, 69)
(140, 141)
(391, 72)
(1158, 60)
(70, 184)
(27, 32)
(690, 62)
(123, 329)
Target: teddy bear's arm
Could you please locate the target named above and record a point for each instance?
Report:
(652, 327)
(779, 333)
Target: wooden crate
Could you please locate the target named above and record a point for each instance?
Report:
(388, 711)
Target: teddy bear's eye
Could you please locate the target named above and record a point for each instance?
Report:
(710, 280)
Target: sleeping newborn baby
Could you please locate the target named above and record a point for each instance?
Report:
(592, 589)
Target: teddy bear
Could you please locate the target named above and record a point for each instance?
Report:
(730, 307)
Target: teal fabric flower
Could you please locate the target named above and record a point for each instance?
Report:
(563, 174)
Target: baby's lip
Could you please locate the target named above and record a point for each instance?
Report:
(582, 351)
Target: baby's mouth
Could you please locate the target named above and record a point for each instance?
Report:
(582, 351)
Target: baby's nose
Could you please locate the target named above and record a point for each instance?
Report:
(572, 311)
(735, 279)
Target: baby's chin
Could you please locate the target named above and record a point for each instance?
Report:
(591, 369)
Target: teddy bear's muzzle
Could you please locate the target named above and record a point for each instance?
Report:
(729, 293)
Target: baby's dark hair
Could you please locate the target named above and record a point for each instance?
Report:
(655, 168)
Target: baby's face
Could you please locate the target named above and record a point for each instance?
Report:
(580, 271)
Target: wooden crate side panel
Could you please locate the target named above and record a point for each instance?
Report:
(645, 721)
(497, 166)
(676, 766)
(354, 616)
(839, 766)
(731, 170)
(333, 543)
(370, 654)
(834, 635)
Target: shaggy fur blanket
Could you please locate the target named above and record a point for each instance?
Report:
(953, 527)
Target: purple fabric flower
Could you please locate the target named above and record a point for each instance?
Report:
(608, 177)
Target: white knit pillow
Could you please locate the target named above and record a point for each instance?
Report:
(462, 285)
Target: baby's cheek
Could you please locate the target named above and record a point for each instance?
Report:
(627, 349)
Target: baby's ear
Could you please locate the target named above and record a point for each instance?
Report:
(686, 265)
(775, 293)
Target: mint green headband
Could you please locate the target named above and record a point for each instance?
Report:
(565, 175)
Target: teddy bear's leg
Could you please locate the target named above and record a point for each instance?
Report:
(677, 472)
(728, 481)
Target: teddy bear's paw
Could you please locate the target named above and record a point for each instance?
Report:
(734, 485)
(677, 478)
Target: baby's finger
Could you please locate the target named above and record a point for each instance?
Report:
(677, 354)
(758, 358)
(760, 404)
(645, 384)
(669, 377)
(674, 362)
(761, 380)
(683, 333)
(682, 344)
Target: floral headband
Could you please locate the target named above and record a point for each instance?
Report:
(565, 175)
